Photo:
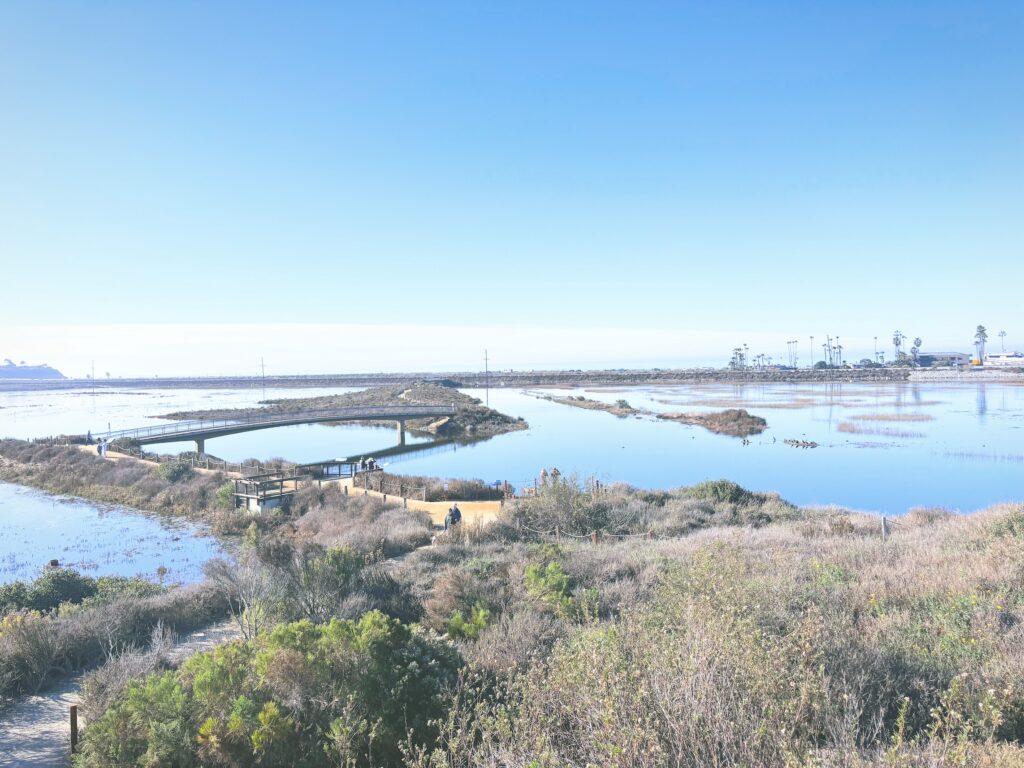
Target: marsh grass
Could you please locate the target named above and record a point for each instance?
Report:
(856, 429)
(1014, 458)
(894, 417)
(68, 470)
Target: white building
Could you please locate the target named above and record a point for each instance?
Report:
(1004, 360)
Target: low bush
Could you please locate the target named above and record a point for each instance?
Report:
(329, 517)
(349, 693)
(173, 472)
(65, 587)
(579, 509)
(104, 686)
(36, 647)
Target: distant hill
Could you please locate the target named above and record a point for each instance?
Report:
(12, 370)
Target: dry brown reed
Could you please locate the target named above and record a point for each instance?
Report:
(851, 428)
(894, 417)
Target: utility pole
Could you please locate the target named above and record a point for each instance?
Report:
(263, 373)
(812, 351)
(487, 380)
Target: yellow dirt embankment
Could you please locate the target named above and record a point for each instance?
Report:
(472, 511)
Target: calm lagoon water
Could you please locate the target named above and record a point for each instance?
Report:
(883, 447)
(95, 539)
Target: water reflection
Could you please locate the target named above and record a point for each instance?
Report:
(949, 447)
(96, 540)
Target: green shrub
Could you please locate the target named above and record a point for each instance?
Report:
(343, 693)
(55, 586)
(1011, 525)
(719, 491)
(13, 597)
(461, 628)
(173, 472)
(65, 587)
(225, 496)
(550, 584)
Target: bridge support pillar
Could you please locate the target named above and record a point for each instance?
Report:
(401, 432)
(200, 446)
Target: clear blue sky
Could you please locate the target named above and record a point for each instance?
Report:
(748, 170)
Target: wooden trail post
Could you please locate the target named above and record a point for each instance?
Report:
(885, 528)
(74, 728)
(593, 537)
(558, 539)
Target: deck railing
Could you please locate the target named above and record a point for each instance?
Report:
(385, 413)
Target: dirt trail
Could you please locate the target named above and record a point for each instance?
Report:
(35, 730)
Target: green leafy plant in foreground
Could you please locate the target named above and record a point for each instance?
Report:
(340, 693)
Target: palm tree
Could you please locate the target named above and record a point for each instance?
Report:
(1002, 341)
(916, 348)
(980, 337)
(897, 342)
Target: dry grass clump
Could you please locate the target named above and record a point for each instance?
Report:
(580, 509)
(894, 417)
(856, 429)
(330, 518)
(35, 648)
(102, 687)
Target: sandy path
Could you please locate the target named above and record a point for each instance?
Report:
(36, 731)
(472, 511)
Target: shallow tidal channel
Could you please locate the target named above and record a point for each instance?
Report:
(97, 539)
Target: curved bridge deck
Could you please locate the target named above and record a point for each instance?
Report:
(200, 430)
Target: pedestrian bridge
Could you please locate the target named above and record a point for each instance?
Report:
(202, 429)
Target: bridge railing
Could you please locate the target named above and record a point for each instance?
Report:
(295, 417)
